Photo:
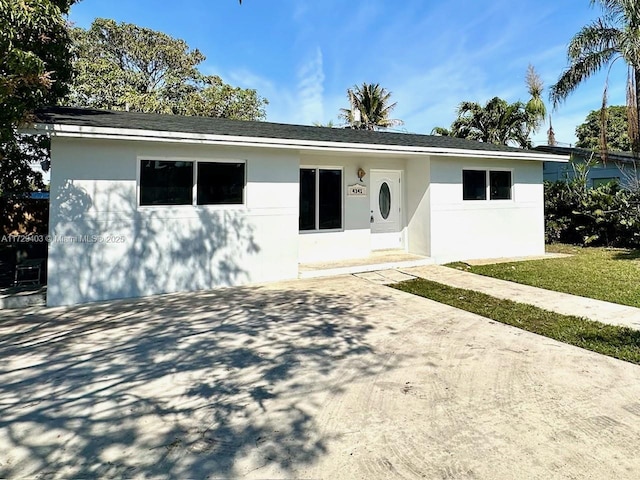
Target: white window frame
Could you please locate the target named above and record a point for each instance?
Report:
(194, 193)
(487, 171)
(317, 191)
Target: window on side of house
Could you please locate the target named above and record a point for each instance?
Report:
(483, 184)
(474, 185)
(171, 182)
(330, 199)
(220, 183)
(500, 185)
(166, 182)
(307, 219)
(596, 182)
(320, 199)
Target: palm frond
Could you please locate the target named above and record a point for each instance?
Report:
(441, 131)
(535, 107)
(613, 8)
(370, 107)
(577, 72)
(597, 37)
(534, 82)
(496, 122)
(616, 34)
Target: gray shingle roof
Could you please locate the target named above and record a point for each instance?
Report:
(584, 153)
(222, 126)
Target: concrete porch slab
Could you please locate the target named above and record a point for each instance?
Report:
(379, 260)
(21, 297)
(385, 277)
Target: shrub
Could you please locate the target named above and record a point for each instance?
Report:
(606, 215)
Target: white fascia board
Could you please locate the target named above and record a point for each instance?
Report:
(76, 131)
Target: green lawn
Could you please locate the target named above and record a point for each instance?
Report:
(607, 274)
(618, 342)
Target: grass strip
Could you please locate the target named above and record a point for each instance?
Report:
(615, 341)
(612, 275)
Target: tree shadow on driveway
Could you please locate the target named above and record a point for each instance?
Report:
(215, 383)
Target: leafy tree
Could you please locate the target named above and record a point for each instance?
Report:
(219, 99)
(35, 63)
(589, 132)
(34, 70)
(614, 35)
(370, 108)
(497, 122)
(127, 67)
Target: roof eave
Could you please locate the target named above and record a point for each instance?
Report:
(76, 131)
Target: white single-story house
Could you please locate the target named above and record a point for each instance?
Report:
(143, 204)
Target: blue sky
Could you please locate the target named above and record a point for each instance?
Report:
(302, 55)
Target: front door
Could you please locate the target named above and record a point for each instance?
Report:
(386, 229)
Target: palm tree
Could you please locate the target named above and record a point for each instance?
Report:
(498, 122)
(615, 35)
(535, 106)
(551, 135)
(442, 132)
(329, 124)
(370, 108)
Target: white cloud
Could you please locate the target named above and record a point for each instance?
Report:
(430, 57)
(429, 99)
(310, 90)
(298, 101)
(279, 97)
(246, 78)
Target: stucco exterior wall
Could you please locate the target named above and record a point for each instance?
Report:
(149, 250)
(485, 228)
(354, 239)
(105, 246)
(418, 209)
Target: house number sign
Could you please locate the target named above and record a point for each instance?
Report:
(357, 190)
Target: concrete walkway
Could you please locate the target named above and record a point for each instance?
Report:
(605, 312)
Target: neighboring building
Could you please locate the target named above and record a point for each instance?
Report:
(43, 168)
(144, 204)
(620, 167)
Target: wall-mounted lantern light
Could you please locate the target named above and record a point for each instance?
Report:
(361, 173)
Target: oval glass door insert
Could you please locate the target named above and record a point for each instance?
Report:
(384, 200)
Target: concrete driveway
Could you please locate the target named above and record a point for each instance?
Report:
(327, 378)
